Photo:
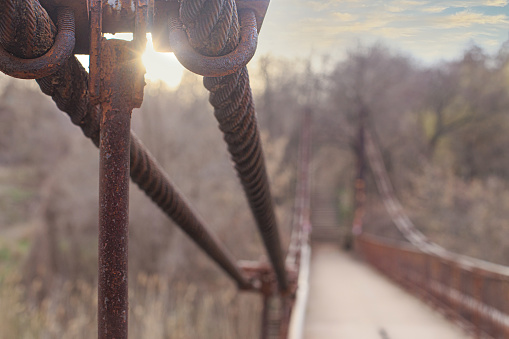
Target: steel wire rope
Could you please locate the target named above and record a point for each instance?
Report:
(51, 61)
(69, 89)
(213, 29)
(391, 202)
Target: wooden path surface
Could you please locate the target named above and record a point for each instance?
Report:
(350, 300)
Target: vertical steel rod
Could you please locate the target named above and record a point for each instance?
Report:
(265, 328)
(478, 287)
(287, 303)
(360, 182)
(114, 190)
(94, 86)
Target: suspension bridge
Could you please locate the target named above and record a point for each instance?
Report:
(311, 290)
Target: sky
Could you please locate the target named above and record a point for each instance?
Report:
(429, 30)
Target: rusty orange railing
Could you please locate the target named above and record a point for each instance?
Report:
(470, 290)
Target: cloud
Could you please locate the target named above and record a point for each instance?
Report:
(394, 9)
(468, 18)
(407, 4)
(320, 5)
(496, 3)
(345, 16)
(434, 9)
(472, 3)
(329, 4)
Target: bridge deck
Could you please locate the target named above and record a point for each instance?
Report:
(350, 300)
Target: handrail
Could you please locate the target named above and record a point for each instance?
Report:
(296, 328)
(299, 253)
(473, 294)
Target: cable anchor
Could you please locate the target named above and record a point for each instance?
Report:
(215, 66)
(50, 62)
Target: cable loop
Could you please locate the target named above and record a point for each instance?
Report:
(50, 62)
(215, 66)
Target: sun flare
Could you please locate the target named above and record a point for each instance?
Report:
(160, 66)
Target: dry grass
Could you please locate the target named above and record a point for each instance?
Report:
(158, 309)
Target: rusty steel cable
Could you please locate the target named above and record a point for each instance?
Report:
(52, 60)
(213, 29)
(391, 202)
(220, 65)
(31, 41)
(68, 88)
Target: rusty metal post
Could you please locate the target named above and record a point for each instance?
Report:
(456, 284)
(287, 303)
(265, 327)
(478, 294)
(428, 274)
(272, 326)
(94, 86)
(117, 70)
(360, 183)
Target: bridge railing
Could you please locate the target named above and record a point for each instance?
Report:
(471, 291)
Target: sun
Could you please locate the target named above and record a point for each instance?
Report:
(160, 66)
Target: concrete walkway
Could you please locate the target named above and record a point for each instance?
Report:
(350, 300)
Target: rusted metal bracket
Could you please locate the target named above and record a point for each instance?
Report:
(264, 281)
(96, 38)
(140, 43)
(81, 10)
(95, 29)
(259, 7)
(119, 16)
(261, 276)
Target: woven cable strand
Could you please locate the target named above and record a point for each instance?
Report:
(218, 34)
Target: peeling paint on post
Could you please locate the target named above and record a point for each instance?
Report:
(117, 69)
